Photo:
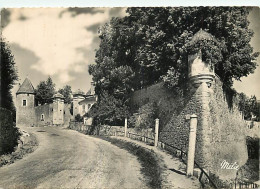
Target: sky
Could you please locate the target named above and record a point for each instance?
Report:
(56, 42)
(61, 43)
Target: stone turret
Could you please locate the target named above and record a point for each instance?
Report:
(77, 97)
(201, 75)
(200, 71)
(25, 102)
(58, 109)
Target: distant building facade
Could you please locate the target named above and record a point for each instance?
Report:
(55, 113)
(82, 103)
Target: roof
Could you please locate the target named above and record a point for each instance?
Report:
(26, 88)
(89, 92)
(91, 98)
(58, 95)
(78, 92)
(201, 35)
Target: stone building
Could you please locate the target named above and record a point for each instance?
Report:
(55, 113)
(83, 102)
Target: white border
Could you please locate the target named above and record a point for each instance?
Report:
(124, 3)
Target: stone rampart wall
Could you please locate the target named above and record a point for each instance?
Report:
(220, 130)
(47, 111)
(67, 114)
(227, 135)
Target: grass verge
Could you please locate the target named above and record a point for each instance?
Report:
(151, 169)
(29, 146)
(249, 171)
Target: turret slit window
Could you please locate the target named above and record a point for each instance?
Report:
(42, 117)
(24, 103)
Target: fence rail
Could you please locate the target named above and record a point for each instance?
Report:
(180, 153)
(183, 154)
(244, 185)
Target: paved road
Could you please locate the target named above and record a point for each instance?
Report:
(68, 159)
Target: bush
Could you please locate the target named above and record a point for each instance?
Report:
(78, 118)
(145, 116)
(9, 132)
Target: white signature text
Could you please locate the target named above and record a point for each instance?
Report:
(227, 165)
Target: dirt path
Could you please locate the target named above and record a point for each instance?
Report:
(172, 175)
(68, 159)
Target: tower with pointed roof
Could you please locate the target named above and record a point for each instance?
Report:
(25, 103)
(55, 113)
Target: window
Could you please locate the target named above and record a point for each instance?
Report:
(24, 102)
(42, 117)
(89, 106)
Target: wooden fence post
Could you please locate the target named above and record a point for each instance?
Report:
(125, 127)
(192, 144)
(156, 136)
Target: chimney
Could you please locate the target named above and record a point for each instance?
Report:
(92, 88)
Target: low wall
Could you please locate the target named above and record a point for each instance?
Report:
(8, 132)
(119, 130)
(78, 126)
(106, 130)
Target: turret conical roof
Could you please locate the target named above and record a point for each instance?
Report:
(26, 88)
(201, 35)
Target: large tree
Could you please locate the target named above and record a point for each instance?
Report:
(45, 91)
(153, 41)
(8, 76)
(66, 92)
(152, 44)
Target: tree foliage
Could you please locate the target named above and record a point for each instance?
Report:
(109, 110)
(8, 76)
(45, 91)
(66, 92)
(145, 116)
(249, 106)
(152, 44)
(79, 118)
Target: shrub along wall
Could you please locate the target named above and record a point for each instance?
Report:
(8, 132)
(172, 111)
